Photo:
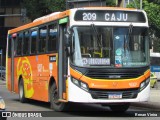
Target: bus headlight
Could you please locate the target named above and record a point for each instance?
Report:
(144, 84)
(80, 84)
(2, 104)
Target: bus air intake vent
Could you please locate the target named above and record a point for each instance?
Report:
(111, 75)
(104, 94)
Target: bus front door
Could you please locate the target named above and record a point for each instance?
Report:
(62, 63)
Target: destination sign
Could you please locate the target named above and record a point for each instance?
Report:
(109, 16)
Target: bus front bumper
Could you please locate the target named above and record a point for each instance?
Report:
(76, 94)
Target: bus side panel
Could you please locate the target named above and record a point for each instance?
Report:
(8, 78)
(26, 67)
(36, 72)
(47, 69)
(44, 74)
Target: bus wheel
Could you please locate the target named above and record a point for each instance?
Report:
(55, 104)
(120, 108)
(21, 91)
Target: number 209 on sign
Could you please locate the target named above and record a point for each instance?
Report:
(89, 16)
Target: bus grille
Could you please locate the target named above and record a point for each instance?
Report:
(108, 75)
(103, 94)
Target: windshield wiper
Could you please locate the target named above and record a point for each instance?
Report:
(130, 31)
(96, 33)
(129, 38)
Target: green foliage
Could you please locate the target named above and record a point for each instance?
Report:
(56, 5)
(153, 13)
(154, 1)
(38, 8)
(152, 8)
(111, 3)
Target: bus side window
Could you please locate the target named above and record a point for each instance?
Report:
(42, 40)
(19, 44)
(52, 41)
(26, 43)
(9, 46)
(33, 42)
(15, 45)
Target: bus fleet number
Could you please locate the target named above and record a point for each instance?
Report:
(89, 16)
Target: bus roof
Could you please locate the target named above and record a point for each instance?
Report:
(41, 20)
(59, 15)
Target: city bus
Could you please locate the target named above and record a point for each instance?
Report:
(81, 55)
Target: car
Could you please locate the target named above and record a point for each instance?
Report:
(153, 80)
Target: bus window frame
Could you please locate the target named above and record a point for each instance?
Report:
(30, 44)
(14, 39)
(38, 39)
(17, 47)
(9, 46)
(28, 53)
(55, 24)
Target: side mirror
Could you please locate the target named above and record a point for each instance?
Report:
(67, 43)
(67, 40)
(150, 42)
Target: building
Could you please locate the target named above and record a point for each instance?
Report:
(11, 16)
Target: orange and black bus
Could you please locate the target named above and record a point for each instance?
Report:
(86, 55)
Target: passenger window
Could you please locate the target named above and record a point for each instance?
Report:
(33, 41)
(52, 41)
(26, 43)
(19, 44)
(42, 40)
(9, 46)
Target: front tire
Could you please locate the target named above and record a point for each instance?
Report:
(55, 104)
(21, 92)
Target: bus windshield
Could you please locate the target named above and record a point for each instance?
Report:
(110, 46)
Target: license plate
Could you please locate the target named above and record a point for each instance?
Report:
(115, 95)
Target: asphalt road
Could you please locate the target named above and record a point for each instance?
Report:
(79, 110)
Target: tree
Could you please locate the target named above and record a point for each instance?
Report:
(153, 13)
(152, 9)
(154, 1)
(56, 5)
(38, 8)
(111, 3)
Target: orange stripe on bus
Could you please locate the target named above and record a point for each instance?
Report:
(111, 83)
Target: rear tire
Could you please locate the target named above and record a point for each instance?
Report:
(21, 92)
(55, 104)
(120, 107)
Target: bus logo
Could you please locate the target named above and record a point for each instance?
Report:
(115, 84)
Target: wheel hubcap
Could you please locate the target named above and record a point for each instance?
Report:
(21, 91)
